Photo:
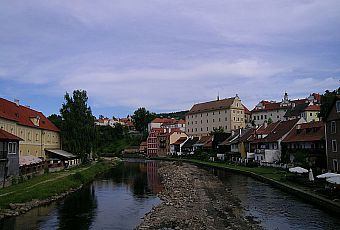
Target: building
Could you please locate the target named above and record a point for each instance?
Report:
(9, 155)
(332, 131)
(308, 141)
(166, 139)
(143, 147)
(188, 147)
(286, 109)
(176, 147)
(152, 141)
(166, 123)
(267, 140)
(203, 118)
(36, 131)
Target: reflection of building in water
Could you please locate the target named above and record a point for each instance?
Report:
(154, 182)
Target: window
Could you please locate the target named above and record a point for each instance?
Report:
(207, 121)
(207, 128)
(334, 146)
(335, 165)
(213, 113)
(261, 117)
(219, 112)
(310, 114)
(37, 136)
(338, 106)
(201, 121)
(226, 127)
(196, 122)
(226, 119)
(12, 148)
(201, 114)
(265, 116)
(333, 127)
(213, 120)
(201, 129)
(195, 129)
(254, 118)
(219, 119)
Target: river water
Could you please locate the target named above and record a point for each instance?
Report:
(119, 199)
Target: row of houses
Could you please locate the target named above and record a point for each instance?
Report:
(127, 122)
(288, 131)
(28, 141)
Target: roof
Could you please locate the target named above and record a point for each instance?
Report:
(312, 131)
(246, 134)
(268, 105)
(8, 136)
(190, 142)
(230, 139)
(313, 108)
(61, 153)
(143, 143)
(29, 160)
(180, 141)
(23, 115)
(212, 105)
(163, 120)
(281, 129)
(246, 110)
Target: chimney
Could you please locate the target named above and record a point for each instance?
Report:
(16, 101)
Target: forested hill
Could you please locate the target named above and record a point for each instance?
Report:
(177, 115)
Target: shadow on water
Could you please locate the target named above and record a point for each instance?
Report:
(117, 199)
(273, 208)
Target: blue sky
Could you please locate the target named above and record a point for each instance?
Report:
(166, 55)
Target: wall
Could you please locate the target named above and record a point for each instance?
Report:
(35, 140)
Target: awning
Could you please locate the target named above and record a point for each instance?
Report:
(62, 153)
(29, 160)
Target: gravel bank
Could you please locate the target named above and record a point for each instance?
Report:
(194, 199)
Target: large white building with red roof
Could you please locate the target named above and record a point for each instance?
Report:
(307, 108)
(36, 131)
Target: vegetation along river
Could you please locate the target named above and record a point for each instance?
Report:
(120, 198)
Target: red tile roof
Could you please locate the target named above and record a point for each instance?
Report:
(246, 110)
(8, 136)
(312, 131)
(212, 105)
(22, 115)
(180, 141)
(270, 106)
(313, 108)
(280, 130)
(163, 120)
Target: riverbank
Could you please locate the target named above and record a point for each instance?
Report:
(192, 198)
(277, 178)
(41, 190)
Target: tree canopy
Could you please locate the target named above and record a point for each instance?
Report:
(141, 118)
(56, 120)
(77, 131)
(327, 100)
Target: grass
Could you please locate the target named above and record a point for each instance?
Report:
(47, 185)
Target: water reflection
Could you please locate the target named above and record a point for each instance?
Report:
(116, 200)
(274, 208)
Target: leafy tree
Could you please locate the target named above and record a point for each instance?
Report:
(141, 118)
(56, 120)
(78, 130)
(217, 130)
(327, 100)
(270, 121)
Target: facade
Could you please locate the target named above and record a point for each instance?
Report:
(166, 123)
(311, 113)
(332, 131)
(176, 147)
(204, 117)
(307, 139)
(35, 130)
(9, 155)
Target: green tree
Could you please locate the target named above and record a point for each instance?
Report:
(78, 131)
(327, 100)
(270, 121)
(217, 130)
(56, 120)
(141, 118)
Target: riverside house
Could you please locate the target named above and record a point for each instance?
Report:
(308, 140)
(35, 130)
(267, 141)
(9, 155)
(332, 130)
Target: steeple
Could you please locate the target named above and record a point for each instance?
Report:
(218, 96)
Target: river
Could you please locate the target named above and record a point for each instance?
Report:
(120, 198)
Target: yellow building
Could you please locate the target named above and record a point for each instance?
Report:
(38, 133)
(203, 118)
(311, 113)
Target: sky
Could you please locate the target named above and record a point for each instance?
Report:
(166, 55)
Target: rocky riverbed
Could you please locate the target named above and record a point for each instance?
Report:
(192, 198)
